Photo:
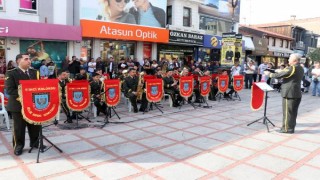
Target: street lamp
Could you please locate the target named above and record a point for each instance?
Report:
(234, 4)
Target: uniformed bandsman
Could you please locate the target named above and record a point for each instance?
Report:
(170, 87)
(82, 75)
(97, 93)
(290, 92)
(130, 86)
(22, 72)
(63, 81)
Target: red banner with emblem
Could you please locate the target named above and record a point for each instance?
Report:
(186, 86)
(40, 100)
(78, 95)
(205, 85)
(238, 81)
(154, 90)
(112, 92)
(3, 91)
(257, 97)
(223, 83)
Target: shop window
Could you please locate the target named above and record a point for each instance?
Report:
(28, 6)
(169, 15)
(1, 5)
(210, 25)
(117, 49)
(186, 17)
(273, 41)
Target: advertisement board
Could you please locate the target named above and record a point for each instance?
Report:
(44, 50)
(138, 12)
(228, 49)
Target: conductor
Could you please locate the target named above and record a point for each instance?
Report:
(290, 92)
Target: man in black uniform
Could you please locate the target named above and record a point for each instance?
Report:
(214, 89)
(82, 75)
(97, 89)
(290, 92)
(130, 86)
(63, 81)
(170, 87)
(22, 72)
(229, 54)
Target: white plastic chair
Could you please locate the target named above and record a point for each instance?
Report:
(4, 112)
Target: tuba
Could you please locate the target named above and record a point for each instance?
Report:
(140, 86)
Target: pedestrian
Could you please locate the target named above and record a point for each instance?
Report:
(315, 79)
(22, 72)
(290, 92)
(249, 70)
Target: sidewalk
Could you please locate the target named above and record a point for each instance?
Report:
(180, 144)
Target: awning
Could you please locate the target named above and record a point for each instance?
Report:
(248, 44)
(34, 30)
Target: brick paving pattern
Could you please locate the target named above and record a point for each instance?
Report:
(180, 144)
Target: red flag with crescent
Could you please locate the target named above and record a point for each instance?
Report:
(205, 85)
(4, 92)
(257, 97)
(40, 100)
(186, 86)
(238, 81)
(112, 88)
(78, 95)
(223, 83)
(154, 90)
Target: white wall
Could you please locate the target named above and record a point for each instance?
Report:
(11, 11)
(12, 49)
(60, 12)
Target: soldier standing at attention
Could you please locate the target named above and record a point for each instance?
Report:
(22, 72)
(290, 92)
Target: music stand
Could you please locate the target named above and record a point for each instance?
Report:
(236, 95)
(108, 113)
(189, 102)
(150, 107)
(265, 120)
(40, 140)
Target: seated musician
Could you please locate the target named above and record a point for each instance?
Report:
(122, 77)
(197, 73)
(82, 75)
(63, 81)
(97, 89)
(214, 89)
(171, 87)
(130, 86)
(228, 94)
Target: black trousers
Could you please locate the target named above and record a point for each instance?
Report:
(174, 95)
(133, 100)
(197, 93)
(290, 112)
(213, 93)
(248, 80)
(101, 107)
(65, 108)
(19, 131)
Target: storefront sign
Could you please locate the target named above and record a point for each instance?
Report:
(4, 30)
(214, 42)
(33, 30)
(110, 30)
(181, 37)
(281, 54)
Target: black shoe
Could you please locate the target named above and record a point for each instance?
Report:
(197, 101)
(18, 151)
(287, 132)
(142, 110)
(135, 111)
(69, 120)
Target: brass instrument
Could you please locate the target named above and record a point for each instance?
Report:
(102, 90)
(140, 86)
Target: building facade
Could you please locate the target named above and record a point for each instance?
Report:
(43, 28)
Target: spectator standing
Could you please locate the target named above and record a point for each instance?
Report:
(92, 65)
(249, 70)
(10, 65)
(316, 79)
(74, 67)
(262, 67)
(44, 71)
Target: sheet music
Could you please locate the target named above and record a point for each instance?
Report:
(264, 86)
